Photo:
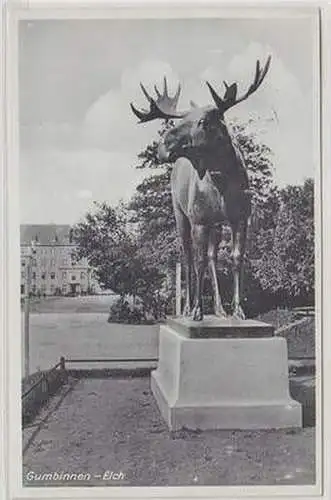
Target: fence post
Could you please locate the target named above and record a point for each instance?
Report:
(178, 289)
(62, 363)
(27, 319)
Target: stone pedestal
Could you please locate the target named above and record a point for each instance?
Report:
(223, 374)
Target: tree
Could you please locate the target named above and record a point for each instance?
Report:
(148, 156)
(103, 240)
(113, 250)
(258, 161)
(287, 269)
(151, 209)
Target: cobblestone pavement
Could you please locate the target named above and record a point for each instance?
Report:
(110, 431)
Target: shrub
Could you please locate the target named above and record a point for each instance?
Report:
(128, 312)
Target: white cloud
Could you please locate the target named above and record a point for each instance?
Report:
(84, 194)
(109, 122)
(150, 73)
(60, 186)
(64, 164)
(280, 95)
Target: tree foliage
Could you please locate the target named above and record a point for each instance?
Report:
(258, 161)
(113, 250)
(287, 268)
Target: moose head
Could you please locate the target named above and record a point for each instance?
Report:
(209, 184)
(200, 130)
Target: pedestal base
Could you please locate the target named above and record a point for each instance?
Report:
(223, 383)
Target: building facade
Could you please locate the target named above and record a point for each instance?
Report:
(54, 269)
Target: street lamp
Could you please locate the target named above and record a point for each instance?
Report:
(31, 251)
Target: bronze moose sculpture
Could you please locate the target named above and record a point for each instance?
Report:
(209, 185)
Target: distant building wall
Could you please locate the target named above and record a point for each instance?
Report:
(54, 269)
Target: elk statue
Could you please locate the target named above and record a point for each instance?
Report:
(209, 184)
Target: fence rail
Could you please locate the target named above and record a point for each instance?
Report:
(113, 360)
(43, 376)
(42, 389)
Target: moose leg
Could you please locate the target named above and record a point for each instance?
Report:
(200, 239)
(212, 259)
(239, 234)
(184, 230)
(187, 249)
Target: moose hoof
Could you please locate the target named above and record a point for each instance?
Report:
(221, 314)
(238, 313)
(197, 314)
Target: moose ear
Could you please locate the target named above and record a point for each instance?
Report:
(231, 92)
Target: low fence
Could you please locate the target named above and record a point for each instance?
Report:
(304, 312)
(49, 381)
(111, 360)
(40, 391)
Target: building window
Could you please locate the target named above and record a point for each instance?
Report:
(22, 289)
(52, 276)
(34, 262)
(82, 276)
(22, 274)
(33, 276)
(73, 258)
(23, 264)
(73, 277)
(64, 275)
(43, 276)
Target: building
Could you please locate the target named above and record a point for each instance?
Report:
(54, 269)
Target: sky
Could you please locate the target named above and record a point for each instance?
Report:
(79, 140)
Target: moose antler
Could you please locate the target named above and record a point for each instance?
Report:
(230, 96)
(163, 106)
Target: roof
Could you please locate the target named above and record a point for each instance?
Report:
(45, 234)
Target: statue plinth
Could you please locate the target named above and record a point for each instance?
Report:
(214, 327)
(234, 379)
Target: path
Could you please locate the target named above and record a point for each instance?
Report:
(114, 425)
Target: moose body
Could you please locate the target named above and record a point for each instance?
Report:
(201, 208)
(210, 187)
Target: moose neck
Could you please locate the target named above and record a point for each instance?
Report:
(222, 159)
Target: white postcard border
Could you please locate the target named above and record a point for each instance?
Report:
(12, 325)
